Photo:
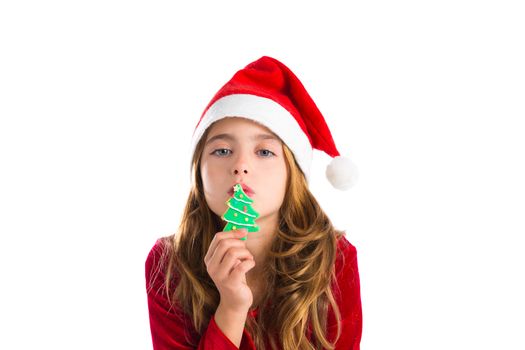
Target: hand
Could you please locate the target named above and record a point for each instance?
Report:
(227, 262)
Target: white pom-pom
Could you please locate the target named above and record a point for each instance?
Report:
(342, 173)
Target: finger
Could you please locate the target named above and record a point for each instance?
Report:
(236, 263)
(220, 236)
(222, 248)
(230, 260)
(238, 275)
(235, 252)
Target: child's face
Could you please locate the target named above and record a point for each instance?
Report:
(241, 157)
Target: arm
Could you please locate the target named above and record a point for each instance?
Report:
(231, 324)
(172, 329)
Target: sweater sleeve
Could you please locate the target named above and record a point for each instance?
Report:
(348, 296)
(171, 328)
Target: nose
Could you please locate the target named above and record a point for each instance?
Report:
(240, 166)
(242, 170)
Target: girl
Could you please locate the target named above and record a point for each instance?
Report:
(294, 283)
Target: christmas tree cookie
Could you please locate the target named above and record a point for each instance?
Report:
(240, 213)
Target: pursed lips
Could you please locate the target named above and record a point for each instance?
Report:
(245, 188)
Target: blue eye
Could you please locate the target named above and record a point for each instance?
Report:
(267, 153)
(219, 152)
(220, 149)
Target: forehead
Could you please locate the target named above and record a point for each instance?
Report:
(234, 128)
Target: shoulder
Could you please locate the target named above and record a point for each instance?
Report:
(345, 246)
(156, 262)
(155, 254)
(346, 285)
(346, 254)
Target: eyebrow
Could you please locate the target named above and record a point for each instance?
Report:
(229, 137)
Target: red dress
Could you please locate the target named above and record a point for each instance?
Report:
(171, 328)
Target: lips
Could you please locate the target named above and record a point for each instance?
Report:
(249, 192)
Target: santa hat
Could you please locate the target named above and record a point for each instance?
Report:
(268, 92)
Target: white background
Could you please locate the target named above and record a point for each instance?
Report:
(98, 101)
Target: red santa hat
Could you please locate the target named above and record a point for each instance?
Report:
(268, 92)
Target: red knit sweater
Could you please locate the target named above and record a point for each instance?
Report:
(172, 328)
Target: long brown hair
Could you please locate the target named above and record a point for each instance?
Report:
(299, 269)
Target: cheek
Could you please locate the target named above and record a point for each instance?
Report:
(213, 198)
(212, 166)
(208, 167)
(275, 182)
(207, 173)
